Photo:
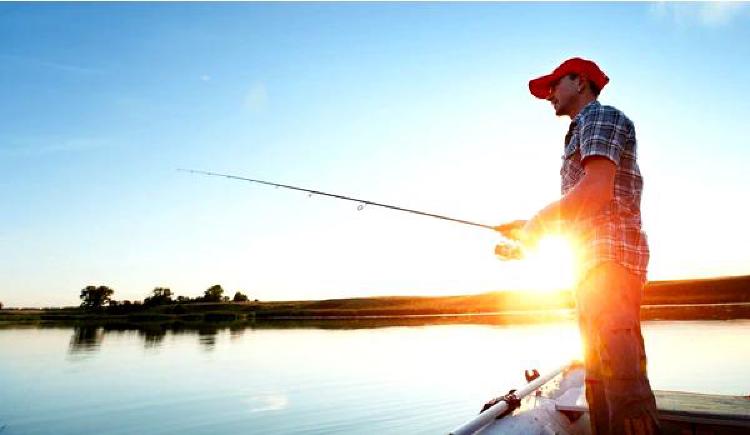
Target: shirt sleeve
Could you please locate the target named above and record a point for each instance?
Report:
(603, 133)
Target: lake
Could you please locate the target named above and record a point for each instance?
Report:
(296, 380)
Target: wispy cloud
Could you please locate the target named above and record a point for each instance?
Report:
(256, 98)
(205, 78)
(48, 64)
(709, 14)
(35, 147)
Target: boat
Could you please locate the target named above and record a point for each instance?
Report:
(556, 404)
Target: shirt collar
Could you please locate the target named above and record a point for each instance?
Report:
(587, 108)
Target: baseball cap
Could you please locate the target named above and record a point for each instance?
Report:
(540, 86)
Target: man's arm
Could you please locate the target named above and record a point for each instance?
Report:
(591, 194)
(594, 191)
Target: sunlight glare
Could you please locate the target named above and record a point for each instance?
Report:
(552, 265)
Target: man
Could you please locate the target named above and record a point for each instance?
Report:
(600, 208)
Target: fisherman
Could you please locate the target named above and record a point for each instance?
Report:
(600, 208)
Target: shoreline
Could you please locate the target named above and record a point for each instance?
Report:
(721, 298)
(687, 312)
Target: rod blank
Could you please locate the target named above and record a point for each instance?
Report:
(346, 198)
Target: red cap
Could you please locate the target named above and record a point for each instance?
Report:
(540, 86)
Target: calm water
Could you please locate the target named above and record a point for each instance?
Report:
(388, 380)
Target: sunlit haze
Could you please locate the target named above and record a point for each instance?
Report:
(421, 105)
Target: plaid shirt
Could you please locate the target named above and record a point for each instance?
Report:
(614, 233)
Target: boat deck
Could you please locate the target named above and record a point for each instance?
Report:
(693, 414)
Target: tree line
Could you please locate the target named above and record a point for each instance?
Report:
(100, 297)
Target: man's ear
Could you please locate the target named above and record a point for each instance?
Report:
(581, 86)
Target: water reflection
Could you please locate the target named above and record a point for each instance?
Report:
(86, 339)
(152, 335)
(267, 402)
(236, 331)
(207, 337)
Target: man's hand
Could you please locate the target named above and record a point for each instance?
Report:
(526, 232)
(511, 230)
(509, 251)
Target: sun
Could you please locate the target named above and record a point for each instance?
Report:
(551, 265)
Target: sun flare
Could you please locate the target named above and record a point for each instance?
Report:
(552, 265)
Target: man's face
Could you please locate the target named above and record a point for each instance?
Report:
(563, 95)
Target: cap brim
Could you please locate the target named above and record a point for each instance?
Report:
(540, 86)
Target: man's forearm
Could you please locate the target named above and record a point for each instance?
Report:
(585, 199)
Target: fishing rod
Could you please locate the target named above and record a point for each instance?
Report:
(362, 202)
(509, 250)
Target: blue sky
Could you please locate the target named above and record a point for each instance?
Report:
(421, 105)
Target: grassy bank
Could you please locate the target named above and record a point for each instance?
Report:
(715, 298)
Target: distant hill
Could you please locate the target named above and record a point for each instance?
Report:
(723, 290)
(731, 289)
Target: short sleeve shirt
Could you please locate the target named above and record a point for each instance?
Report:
(614, 233)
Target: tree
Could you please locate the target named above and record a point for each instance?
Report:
(120, 307)
(160, 296)
(213, 293)
(94, 298)
(1, 305)
(163, 291)
(240, 297)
